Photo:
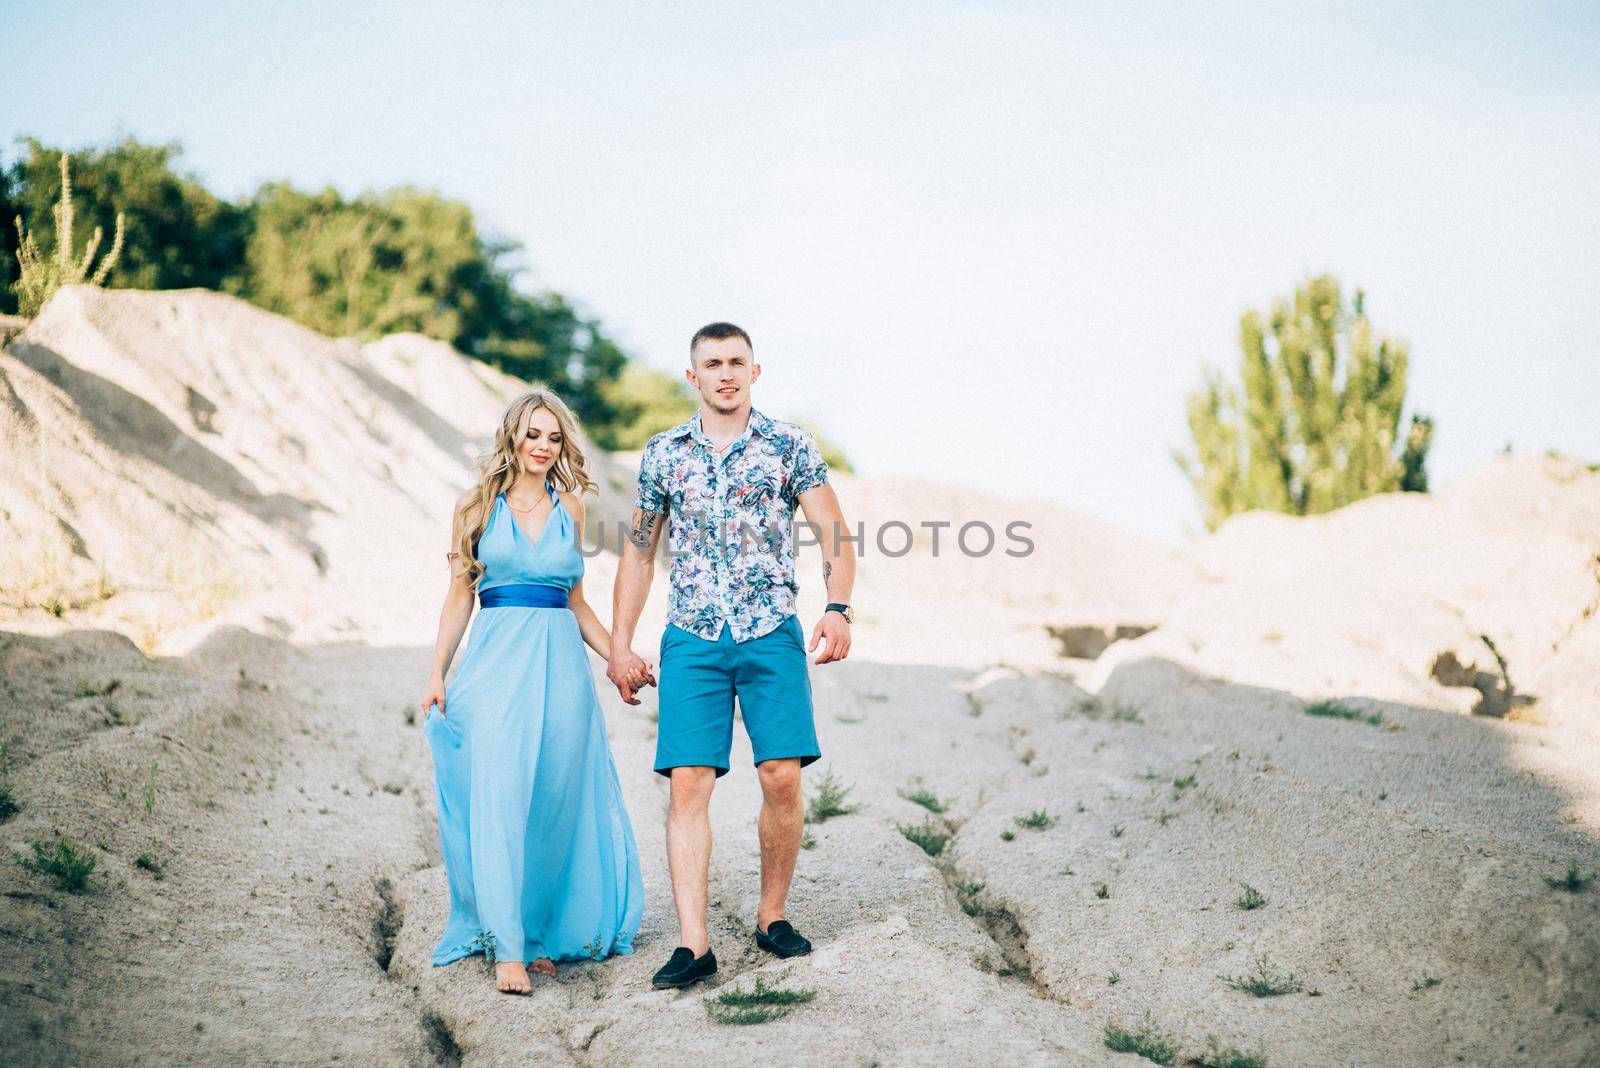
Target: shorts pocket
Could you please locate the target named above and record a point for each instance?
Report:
(796, 633)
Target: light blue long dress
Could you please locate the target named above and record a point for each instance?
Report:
(537, 846)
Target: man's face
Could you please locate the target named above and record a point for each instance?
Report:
(725, 369)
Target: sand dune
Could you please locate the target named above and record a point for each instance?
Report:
(1364, 600)
(240, 523)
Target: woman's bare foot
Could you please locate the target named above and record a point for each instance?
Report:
(510, 977)
(543, 966)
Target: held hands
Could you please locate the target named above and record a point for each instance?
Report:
(630, 673)
(836, 630)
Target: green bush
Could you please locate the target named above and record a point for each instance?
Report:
(1313, 424)
(68, 863)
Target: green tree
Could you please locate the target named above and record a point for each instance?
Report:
(647, 401)
(409, 259)
(363, 268)
(1313, 424)
(179, 234)
(403, 259)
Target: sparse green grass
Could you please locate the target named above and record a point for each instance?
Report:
(829, 799)
(1164, 817)
(1183, 783)
(150, 789)
(1102, 891)
(68, 863)
(1147, 1040)
(1572, 881)
(1335, 709)
(1007, 835)
(1426, 982)
(1263, 982)
(1331, 709)
(1037, 820)
(1116, 830)
(1216, 1055)
(1113, 979)
(761, 1005)
(928, 836)
(808, 840)
(967, 894)
(483, 942)
(1250, 899)
(1125, 713)
(147, 861)
(926, 798)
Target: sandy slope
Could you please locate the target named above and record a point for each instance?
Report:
(291, 799)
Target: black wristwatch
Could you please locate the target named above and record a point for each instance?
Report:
(843, 610)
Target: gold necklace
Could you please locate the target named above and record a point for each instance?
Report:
(522, 511)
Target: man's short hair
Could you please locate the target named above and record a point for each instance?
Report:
(717, 332)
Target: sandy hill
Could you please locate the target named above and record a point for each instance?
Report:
(199, 457)
(1500, 573)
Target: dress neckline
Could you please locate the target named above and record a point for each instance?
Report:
(517, 533)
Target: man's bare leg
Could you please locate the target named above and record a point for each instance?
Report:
(689, 852)
(782, 826)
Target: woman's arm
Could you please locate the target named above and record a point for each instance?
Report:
(595, 634)
(453, 619)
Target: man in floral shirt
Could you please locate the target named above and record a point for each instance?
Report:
(727, 482)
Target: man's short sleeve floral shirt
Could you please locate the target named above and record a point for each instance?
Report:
(730, 521)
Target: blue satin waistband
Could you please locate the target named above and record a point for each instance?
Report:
(523, 595)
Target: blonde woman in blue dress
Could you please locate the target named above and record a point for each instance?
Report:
(537, 846)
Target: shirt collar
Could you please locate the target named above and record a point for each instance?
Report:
(759, 424)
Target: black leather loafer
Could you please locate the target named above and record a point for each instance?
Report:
(684, 969)
(781, 938)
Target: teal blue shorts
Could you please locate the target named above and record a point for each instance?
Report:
(700, 679)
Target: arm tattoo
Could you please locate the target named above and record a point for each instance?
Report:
(827, 573)
(643, 533)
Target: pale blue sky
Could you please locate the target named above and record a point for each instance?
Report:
(990, 244)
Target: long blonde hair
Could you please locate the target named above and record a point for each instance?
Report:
(500, 466)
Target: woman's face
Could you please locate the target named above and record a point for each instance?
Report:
(541, 441)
